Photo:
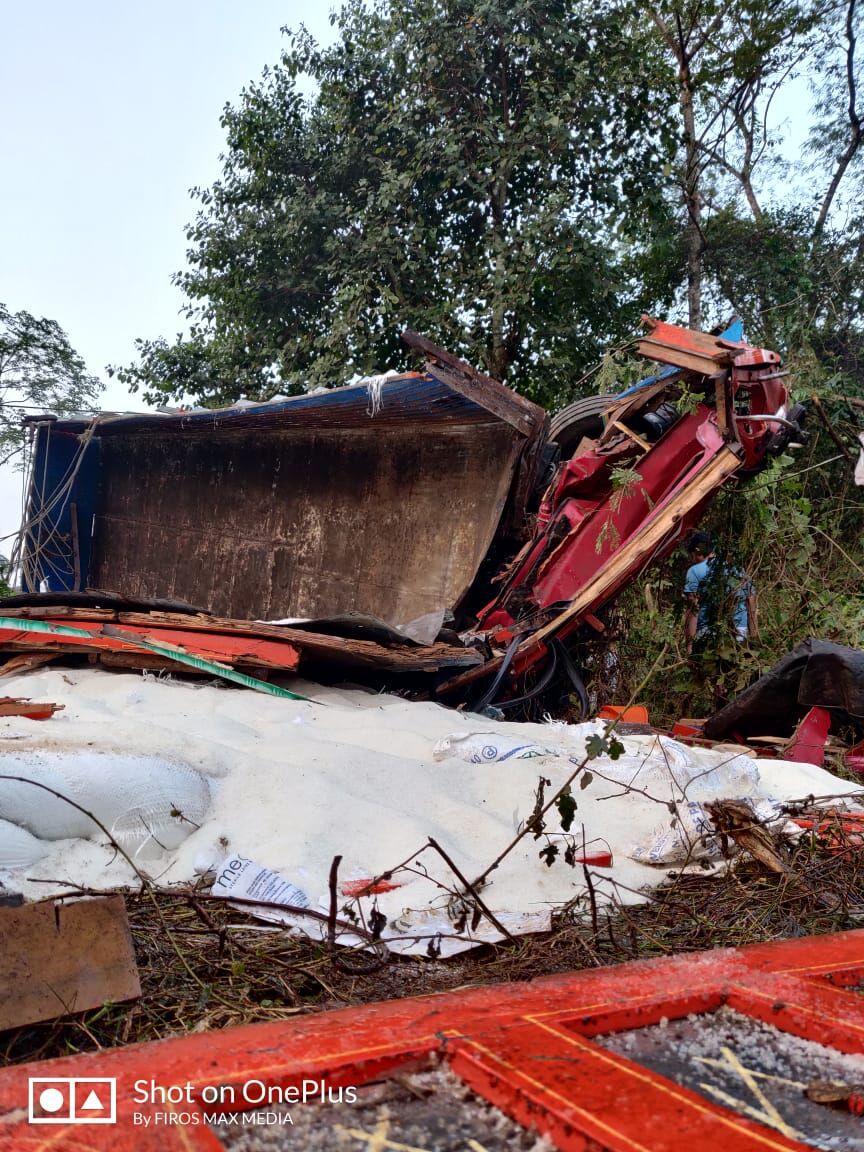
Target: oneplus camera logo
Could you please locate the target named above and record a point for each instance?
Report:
(72, 1100)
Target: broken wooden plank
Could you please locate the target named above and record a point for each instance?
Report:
(521, 413)
(487, 397)
(679, 357)
(107, 636)
(64, 956)
(327, 649)
(26, 662)
(14, 706)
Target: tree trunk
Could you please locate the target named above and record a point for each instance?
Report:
(692, 201)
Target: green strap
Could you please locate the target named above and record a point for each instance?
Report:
(176, 654)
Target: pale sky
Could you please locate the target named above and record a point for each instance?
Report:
(110, 115)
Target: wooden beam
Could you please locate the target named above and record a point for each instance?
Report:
(494, 397)
(331, 649)
(678, 357)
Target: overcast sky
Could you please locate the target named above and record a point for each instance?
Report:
(110, 115)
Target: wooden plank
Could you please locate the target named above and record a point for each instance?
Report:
(484, 390)
(643, 444)
(26, 662)
(329, 649)
(64, 956)
(481, 393)
(678, 357)
(15, 706)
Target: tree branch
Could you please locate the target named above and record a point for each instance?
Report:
(856, 134)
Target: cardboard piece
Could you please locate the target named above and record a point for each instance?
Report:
(64, 956)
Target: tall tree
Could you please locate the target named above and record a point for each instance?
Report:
(795, 270)
(469, 168)
(39, 370)
(726, 62)
(837, 139)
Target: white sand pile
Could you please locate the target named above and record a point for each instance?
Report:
(187, 776)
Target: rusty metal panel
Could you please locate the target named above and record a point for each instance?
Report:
(306, 522)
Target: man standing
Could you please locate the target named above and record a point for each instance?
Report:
(719, 598)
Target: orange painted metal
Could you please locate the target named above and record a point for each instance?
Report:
(635, 714)
(528, 1048)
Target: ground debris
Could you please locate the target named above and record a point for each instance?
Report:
(204, 965)
(734, 820)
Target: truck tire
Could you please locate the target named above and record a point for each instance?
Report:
(581, 418)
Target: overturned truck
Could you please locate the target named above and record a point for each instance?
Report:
(431, 522)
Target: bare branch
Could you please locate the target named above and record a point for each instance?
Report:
(856, 134)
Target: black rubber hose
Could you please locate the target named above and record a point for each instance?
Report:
(573, 676)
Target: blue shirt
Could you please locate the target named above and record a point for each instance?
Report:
(702, 581)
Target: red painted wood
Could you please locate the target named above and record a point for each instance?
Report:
(526, 1047)
(208, 645)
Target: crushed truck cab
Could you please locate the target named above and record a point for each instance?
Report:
(624, 500)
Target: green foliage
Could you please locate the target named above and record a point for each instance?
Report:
(39, 371)
(566, 805)
(597, 746)
(5, 587)
(471, 170)
(797, 293)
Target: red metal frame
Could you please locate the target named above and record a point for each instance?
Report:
(528, 1048)
(807, 746)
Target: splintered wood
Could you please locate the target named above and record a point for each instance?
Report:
(259, 648)
(13, 706)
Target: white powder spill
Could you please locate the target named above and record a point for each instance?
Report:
(290, 785)
(420, 1110)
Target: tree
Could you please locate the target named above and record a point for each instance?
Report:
(39, 371)
(469, 168)
(796, 270)
(837, 138)
(5, 587)
(725, 63)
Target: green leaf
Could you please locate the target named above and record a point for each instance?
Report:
(566, 805)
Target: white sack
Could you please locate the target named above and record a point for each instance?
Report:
(139, 799)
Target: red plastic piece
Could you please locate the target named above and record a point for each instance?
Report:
(808, 744)
(854, 758)
(597, 859)
(687, 727)
(367, 887)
